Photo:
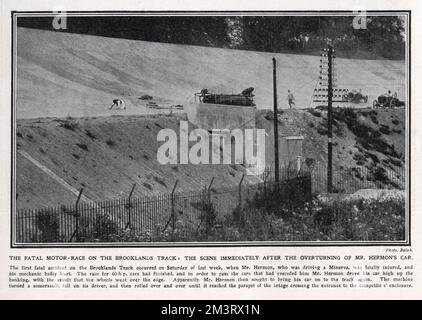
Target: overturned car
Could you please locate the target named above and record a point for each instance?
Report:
(245, 98)
(355, 97)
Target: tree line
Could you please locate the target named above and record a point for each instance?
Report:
(384, 36)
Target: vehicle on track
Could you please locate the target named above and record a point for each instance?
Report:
(386, 101)
(245, 98)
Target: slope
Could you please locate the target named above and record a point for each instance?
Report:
(62, 74)
(105, 156)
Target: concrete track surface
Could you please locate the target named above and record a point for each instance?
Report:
(62, 74)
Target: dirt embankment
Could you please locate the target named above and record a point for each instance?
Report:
(370, 139)
(105, 156)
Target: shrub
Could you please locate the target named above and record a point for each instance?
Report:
(310, 162)
(48, 226)
(359, 157)
(322, 130)
(339, 130)
(379, 174)
(314, 112)
(374, 119)
(160, 181)
(110, 143)
(82, 146)
(146, 97)
(90, 134)
(395, 162)
(147, 185)
(103, 228)
(374, 157)
(322, 219)
(385, 129)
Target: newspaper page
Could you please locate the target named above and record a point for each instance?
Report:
(210, 150)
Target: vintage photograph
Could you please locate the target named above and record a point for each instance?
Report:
(198, 128)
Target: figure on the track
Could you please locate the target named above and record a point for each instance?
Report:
(290, 99)
(119, 104)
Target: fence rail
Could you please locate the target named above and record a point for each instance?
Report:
(101, 221)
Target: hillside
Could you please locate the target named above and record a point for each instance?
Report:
(67, 139)
(352, 132)
(107, 155)
(62, 74)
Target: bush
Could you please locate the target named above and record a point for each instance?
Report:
(374, 119)
(385, 129)
(322, 219)
(160, 181)
(147, 185)
(359, 157)
(90, 134)
(314, 112)
(322, 130)
(379, 174)
(83, 146)
(146, 97)
(369, 138)
(395, 162)
(48, 226)
(100, 228)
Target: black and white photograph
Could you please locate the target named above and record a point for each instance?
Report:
(198, 128)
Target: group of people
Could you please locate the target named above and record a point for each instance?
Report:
(299, 42)
(305, 41)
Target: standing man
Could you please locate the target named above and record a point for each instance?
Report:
(290, 98)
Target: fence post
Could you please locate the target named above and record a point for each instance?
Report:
(173, 217)
(298, 164)
(129, 206)
(209, 189)
(240, 190)
(76, 232)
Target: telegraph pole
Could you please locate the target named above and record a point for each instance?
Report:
(330, 120)
(276, 173)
